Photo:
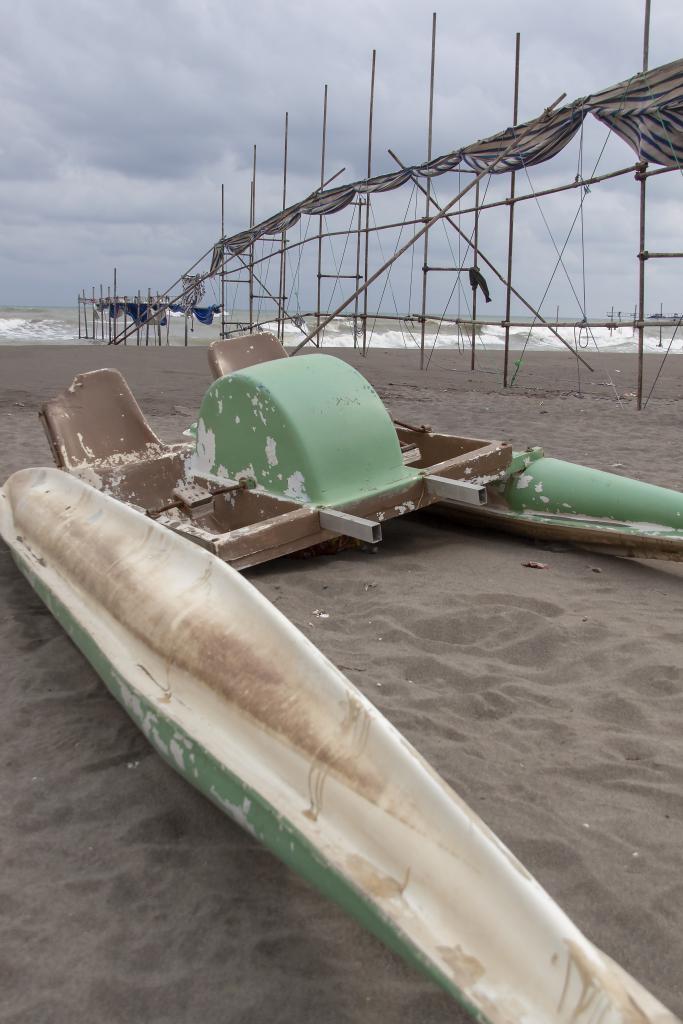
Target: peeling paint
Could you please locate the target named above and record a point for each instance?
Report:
(177, 753)
(206, 445)
(238, 812)
(296, 487)
(271, 451)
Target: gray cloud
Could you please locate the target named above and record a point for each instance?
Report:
(120, 123)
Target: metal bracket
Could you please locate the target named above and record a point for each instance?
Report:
(350, 526)
(460, 491)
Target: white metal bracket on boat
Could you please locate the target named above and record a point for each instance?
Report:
(460, 491)
(350, 526)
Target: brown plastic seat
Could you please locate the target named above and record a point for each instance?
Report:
(97, 427)
(230, 354)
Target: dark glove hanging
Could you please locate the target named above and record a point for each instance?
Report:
(477, 279)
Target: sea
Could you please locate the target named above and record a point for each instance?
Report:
(59, 325)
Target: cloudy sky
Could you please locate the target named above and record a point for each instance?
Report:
(121, 120)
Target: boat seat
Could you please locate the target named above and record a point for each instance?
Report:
(97, 430)
(231, 354)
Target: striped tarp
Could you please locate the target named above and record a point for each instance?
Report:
(646, 111)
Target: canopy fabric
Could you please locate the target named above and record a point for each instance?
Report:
(646, 111)
(541, 143)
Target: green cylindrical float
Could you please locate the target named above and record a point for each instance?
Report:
(563, 488)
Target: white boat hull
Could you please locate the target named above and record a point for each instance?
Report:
(252, 714)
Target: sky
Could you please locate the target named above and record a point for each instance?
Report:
(121, 121)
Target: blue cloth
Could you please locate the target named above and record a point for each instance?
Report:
(205, 314)
(140, 313)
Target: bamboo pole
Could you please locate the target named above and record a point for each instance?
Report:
(641, 234)
(109, 314)
(475, 253)
(79, 315)
(252, 220)
(101, 313)
(149, 310)
(425, 264)
(358, 273)
(437, 216)
(116, 310)
(223, 262)
(367, 208)
(94, 330)
(511, 222)
(320, 219)
(283, 265)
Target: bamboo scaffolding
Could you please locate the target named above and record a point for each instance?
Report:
(233, 267)
(536, 313)
(409, 222)
(429, 223)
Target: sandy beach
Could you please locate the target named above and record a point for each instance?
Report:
(552, 702)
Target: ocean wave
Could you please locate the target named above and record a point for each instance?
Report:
(50, 326)
(406, 334)
(35, 330)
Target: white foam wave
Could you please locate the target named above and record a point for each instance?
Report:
(22, 326)
(492, 337)
(21, 330)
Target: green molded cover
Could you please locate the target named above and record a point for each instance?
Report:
(553, 486)
(310, 428)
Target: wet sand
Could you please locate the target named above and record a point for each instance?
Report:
(552, 701)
